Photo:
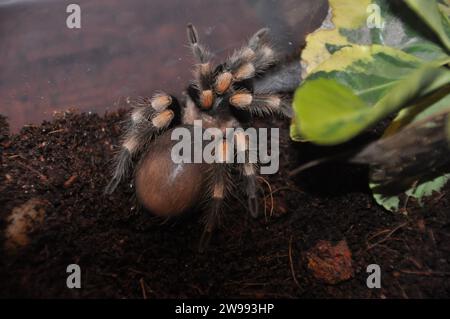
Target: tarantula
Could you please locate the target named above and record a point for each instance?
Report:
(221, 97)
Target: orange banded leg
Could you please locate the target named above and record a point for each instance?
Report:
(261, 104)
(249, 172)
(247, 62)
(219, 187)
(203, 72)
(149, 117)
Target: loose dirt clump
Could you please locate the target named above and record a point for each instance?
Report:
(330, 263)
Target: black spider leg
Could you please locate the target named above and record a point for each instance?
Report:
(204, 75)
(199, 51)
(262, 104)
(259, 105)
(247, 161)
(246, 63)
(219, 187)
(148, 118)
(235, 77)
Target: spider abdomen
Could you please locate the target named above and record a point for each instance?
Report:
(166, 188)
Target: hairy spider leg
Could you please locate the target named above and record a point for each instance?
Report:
(248, 170)
(203, 72)
(261, 105)
(219, 186)
(246, 63)
(149, 118)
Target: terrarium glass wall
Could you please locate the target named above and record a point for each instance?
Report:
(124, 48)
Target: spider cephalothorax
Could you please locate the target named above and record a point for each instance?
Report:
(222, 97)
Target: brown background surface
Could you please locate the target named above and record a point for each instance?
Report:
(124, 48)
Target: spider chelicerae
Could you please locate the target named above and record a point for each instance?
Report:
(222, 97)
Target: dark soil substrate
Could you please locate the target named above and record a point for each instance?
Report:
(126, 253)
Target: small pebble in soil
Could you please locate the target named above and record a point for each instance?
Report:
(22, 221)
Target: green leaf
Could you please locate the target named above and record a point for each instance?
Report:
(295, 135)
(433, 17)
(320, 102)
(428, 188)
(403, 29)
(366, 22)
(420, 192)
(428, 106)
(384, 78)
(413, 162)
(370, 71)
(391, 203)
(327, 39)
(357, 74)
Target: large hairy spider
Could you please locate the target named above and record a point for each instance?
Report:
(222, 97)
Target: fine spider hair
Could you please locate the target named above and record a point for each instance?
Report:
(221, 97)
